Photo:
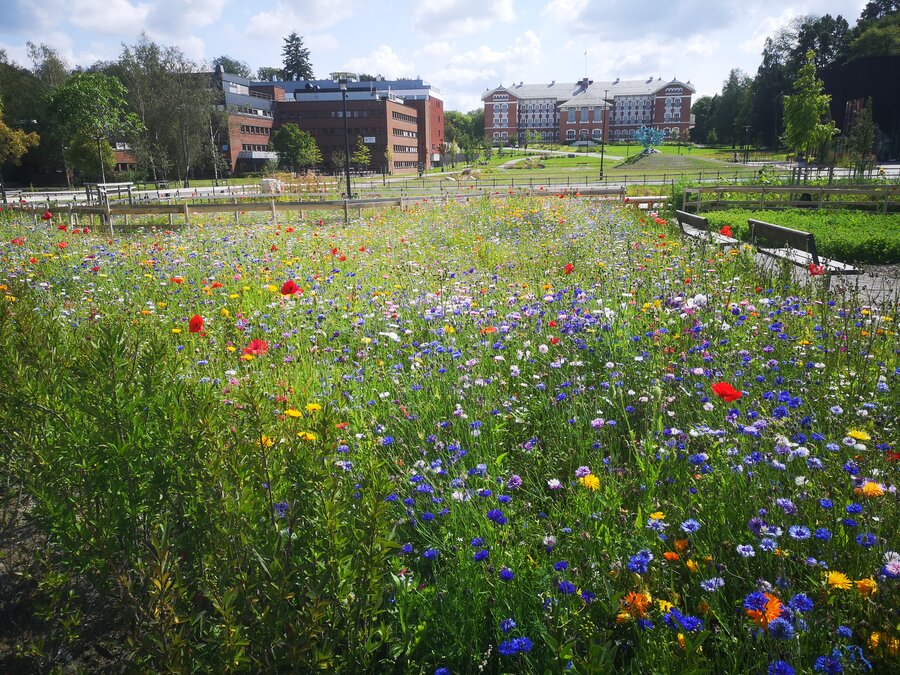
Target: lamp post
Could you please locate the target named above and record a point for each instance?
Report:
(603, 128)
(343, 83)
(100, 157)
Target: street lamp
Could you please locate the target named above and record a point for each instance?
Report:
(100, 157)
(343, 83)
(603, 126)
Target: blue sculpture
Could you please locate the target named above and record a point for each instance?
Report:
(648, 136)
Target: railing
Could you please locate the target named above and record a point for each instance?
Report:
(883, 198)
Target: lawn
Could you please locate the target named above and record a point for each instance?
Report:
(525, 436)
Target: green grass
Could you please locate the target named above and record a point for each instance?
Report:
(849, 236)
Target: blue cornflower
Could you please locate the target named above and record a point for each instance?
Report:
(431, 554)
(644, 624)
(387, 440)
(786, 505)
(407, 548)
(844, 632)
(829, 664)
(826, 503)
(640, 561)
(480, 555)
(507, 625)
(442, 671)
(561, 565)
(507, 574)
(823, 534)
(477, 541)
(745, 550)
(427, 516)
(768, 545)
(781, 629)
(281, 509)
(854, 508)
(676, 620)
(756, 601)
(866, 540)
(497, 516)
(800, 603)
(566, 587)
(690, 526)
(713, 584)
(799, 532)
(514, 646)
(780, 668)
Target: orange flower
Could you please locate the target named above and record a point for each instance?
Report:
(872, 489)
(771, 612)
(866, 587)
(681, 544)
(635, 604)
(671, 556)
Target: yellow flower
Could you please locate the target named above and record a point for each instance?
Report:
(247, 357)
(622, 617)
(176, 330)
(692, 566)
(590, 481)
(313, 407)
(449, 329)
(231, 348)
(664, 605)
(290, 412)
(866, 587)
(265, 441)
(838, 580)
(225, 313)
(657, 515)
(306, 436)
(875, 639)
(872, 489)
(859, 435)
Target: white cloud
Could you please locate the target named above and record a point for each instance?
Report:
(182, 17)
(461, 17)
(304, 17)
(766, 26)
(382, 61)
(562, 11)
(108, 16)
(321, 42)
(437, 49)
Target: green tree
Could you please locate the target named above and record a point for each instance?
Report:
(83, 157)
(295, 58)
(732, 110)
(233, 66)
(91, 105)
(14, 143)
(805, 111)
(265, 73)
(861, 140)
(296, 148)
(48, 66)
(361, 154)
(702, 110)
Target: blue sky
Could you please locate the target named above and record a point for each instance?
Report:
(463, 47)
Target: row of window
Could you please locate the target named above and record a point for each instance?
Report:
(406, 133)
(406, 149)
(327, 114)
(405, 165)
(596, 134)
(245, 110)
(248, 129)
(254, 147)
(403, 117)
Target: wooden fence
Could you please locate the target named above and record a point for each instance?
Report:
(883, 198)
(107, 212)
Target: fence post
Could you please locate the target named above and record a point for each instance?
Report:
(237, 219)
(274, 215)
(187, 215)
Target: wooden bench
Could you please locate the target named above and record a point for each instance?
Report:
(697, 227)
(648, 202)
(796, 247)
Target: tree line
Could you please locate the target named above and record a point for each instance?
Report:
(751, 110)
(164, 107)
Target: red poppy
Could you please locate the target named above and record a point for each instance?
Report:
(726, 392)
(362, 249)
(569, 268)
(62, 244)
(62, 228)
(726, 230)
(554, 340)
(551, 323)
(816, 270)
(334, 251)
(257, 347)
(177, 280)
(47, 216)
(274, 248)
(289, 229)
(289, 287)
(217, 284)
(18, 241)
(195, 325)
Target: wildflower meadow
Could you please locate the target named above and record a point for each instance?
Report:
(522, 435)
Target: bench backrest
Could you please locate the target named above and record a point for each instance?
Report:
(695, 221)
(778, 236)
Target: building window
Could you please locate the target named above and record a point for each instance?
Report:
(570, 135)
(496, 134)
(596, 134)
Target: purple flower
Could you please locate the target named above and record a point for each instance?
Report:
(507, 625)
(713, 584)
(507, 574)
(780, 668)
(431, 554)
(745, 550)
(582, 471)
(514, 482)
(480, 555)
(690, 526)
(566, 587)
(497, 516)
(798, 532)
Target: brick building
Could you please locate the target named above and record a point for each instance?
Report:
(402, 121)
(586, 110)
